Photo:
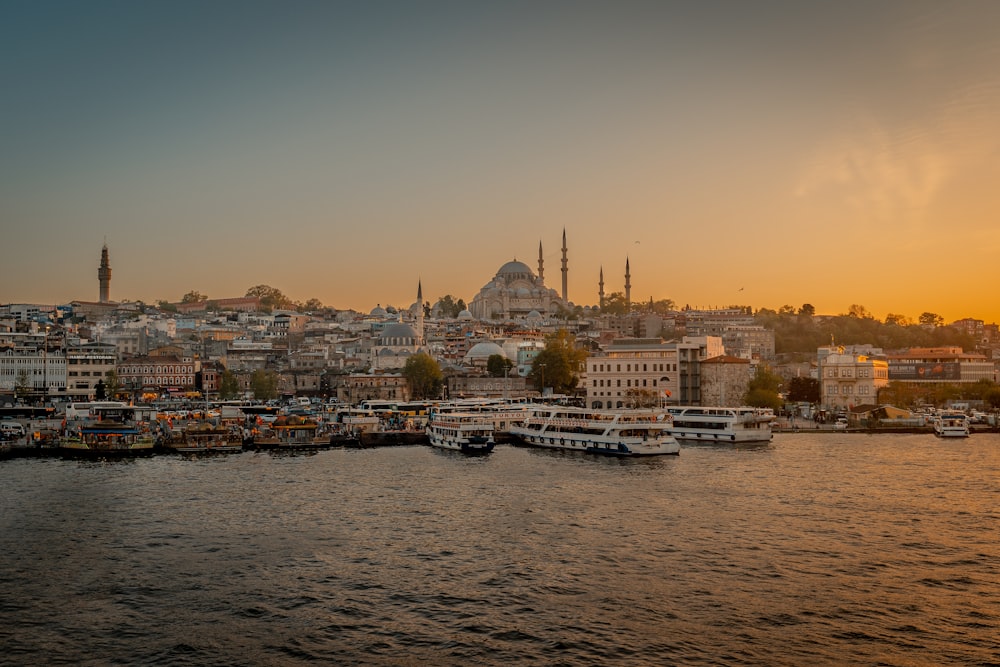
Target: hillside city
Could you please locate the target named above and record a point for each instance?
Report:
(516, 339)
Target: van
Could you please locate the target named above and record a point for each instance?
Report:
(11, 429)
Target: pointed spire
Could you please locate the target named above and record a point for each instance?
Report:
(565, 268)
(628, 287)
(600, 285)
(541, 264)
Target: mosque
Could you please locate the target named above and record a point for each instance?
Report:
(517, 293)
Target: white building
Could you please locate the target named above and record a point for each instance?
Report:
(847, 380)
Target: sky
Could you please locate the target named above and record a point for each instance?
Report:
(757, 153)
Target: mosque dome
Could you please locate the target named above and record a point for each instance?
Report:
(378, 311)
(483, 351)
(514, 268)
(397, 331)
(534, 315)
(465, 315)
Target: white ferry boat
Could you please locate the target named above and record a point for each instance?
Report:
(466, 432)
(730, 425)
(951, 425)
(609, 432)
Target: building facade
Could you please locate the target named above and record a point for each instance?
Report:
(847, 380)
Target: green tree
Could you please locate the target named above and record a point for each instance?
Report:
(763, 389)
(423, 375)
(559, 364)
(193, 297)
(498, 365)
(229, 386)
(449, 307)
(112, 383)
(803, 390)
(271, 298)
(930, 319)
(614, 304)
(807, 310)
(310, 306)
(264, 385)
(21, 386)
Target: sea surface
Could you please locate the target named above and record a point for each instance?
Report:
(817, 549)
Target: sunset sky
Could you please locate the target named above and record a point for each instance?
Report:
(754, 153)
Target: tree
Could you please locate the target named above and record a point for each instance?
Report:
(193, 297)
(803, 390)
(763, 389)
(807, 309)
(558, 365)
(614, 304)
(167, 306)
(270, 298)
(112, 384)
(898, 320)
(423, 375)
(229, 386)
(859, 312)
(310, 306)
(498, 366)
(449, 307)
(264, 385)
(21, 386)
(930, 319)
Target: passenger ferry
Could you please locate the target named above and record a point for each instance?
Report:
(609, 432)
(466, 432)
(290, 433)
(113, 432)
(951, 425)
(206, 438)
(729, 425)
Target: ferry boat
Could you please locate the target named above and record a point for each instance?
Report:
(951, 425)
(290, 433)
(609, 432)
(715, 424)
(111, 432)
(466, 432)
(206, 438)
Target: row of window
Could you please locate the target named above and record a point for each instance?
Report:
(628, 383)
(847, 389)
(646, 368)
(136, 370)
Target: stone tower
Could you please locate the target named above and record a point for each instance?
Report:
(104, 276)
(541, 265)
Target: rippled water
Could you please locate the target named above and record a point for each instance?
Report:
(816, 549)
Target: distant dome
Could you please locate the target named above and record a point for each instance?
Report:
(398, 330)
(534, 315)
(523, 292)
(378, 311)
(513, 268)
(465, 315)
(484, 350)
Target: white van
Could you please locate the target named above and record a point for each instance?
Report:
(11, 429)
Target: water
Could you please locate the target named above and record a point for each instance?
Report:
(817, 549)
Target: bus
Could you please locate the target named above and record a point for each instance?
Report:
(85, 410)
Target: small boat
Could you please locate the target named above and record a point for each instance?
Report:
(736, 426)
(206, 438)
(608, 432)
(466, 432)
(114, 433)
(951, 425)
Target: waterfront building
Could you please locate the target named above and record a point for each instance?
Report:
(157, 374)
(374, 387)
(32, 366)
(87, 364)
(938, 365)
(725, 380)
(847, 380)
(631, 372)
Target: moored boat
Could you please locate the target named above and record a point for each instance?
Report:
(292, 433)
(608, 432)
(951, 425)
(206, 438)
(114, 433)
(466, 432)
(737, 426)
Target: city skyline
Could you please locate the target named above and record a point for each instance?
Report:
(764, 155)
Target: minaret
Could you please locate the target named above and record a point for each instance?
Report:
(541, 265)
(565, 268)
(600, 290)
(628, 288)
(104, 276)
(420, 313)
